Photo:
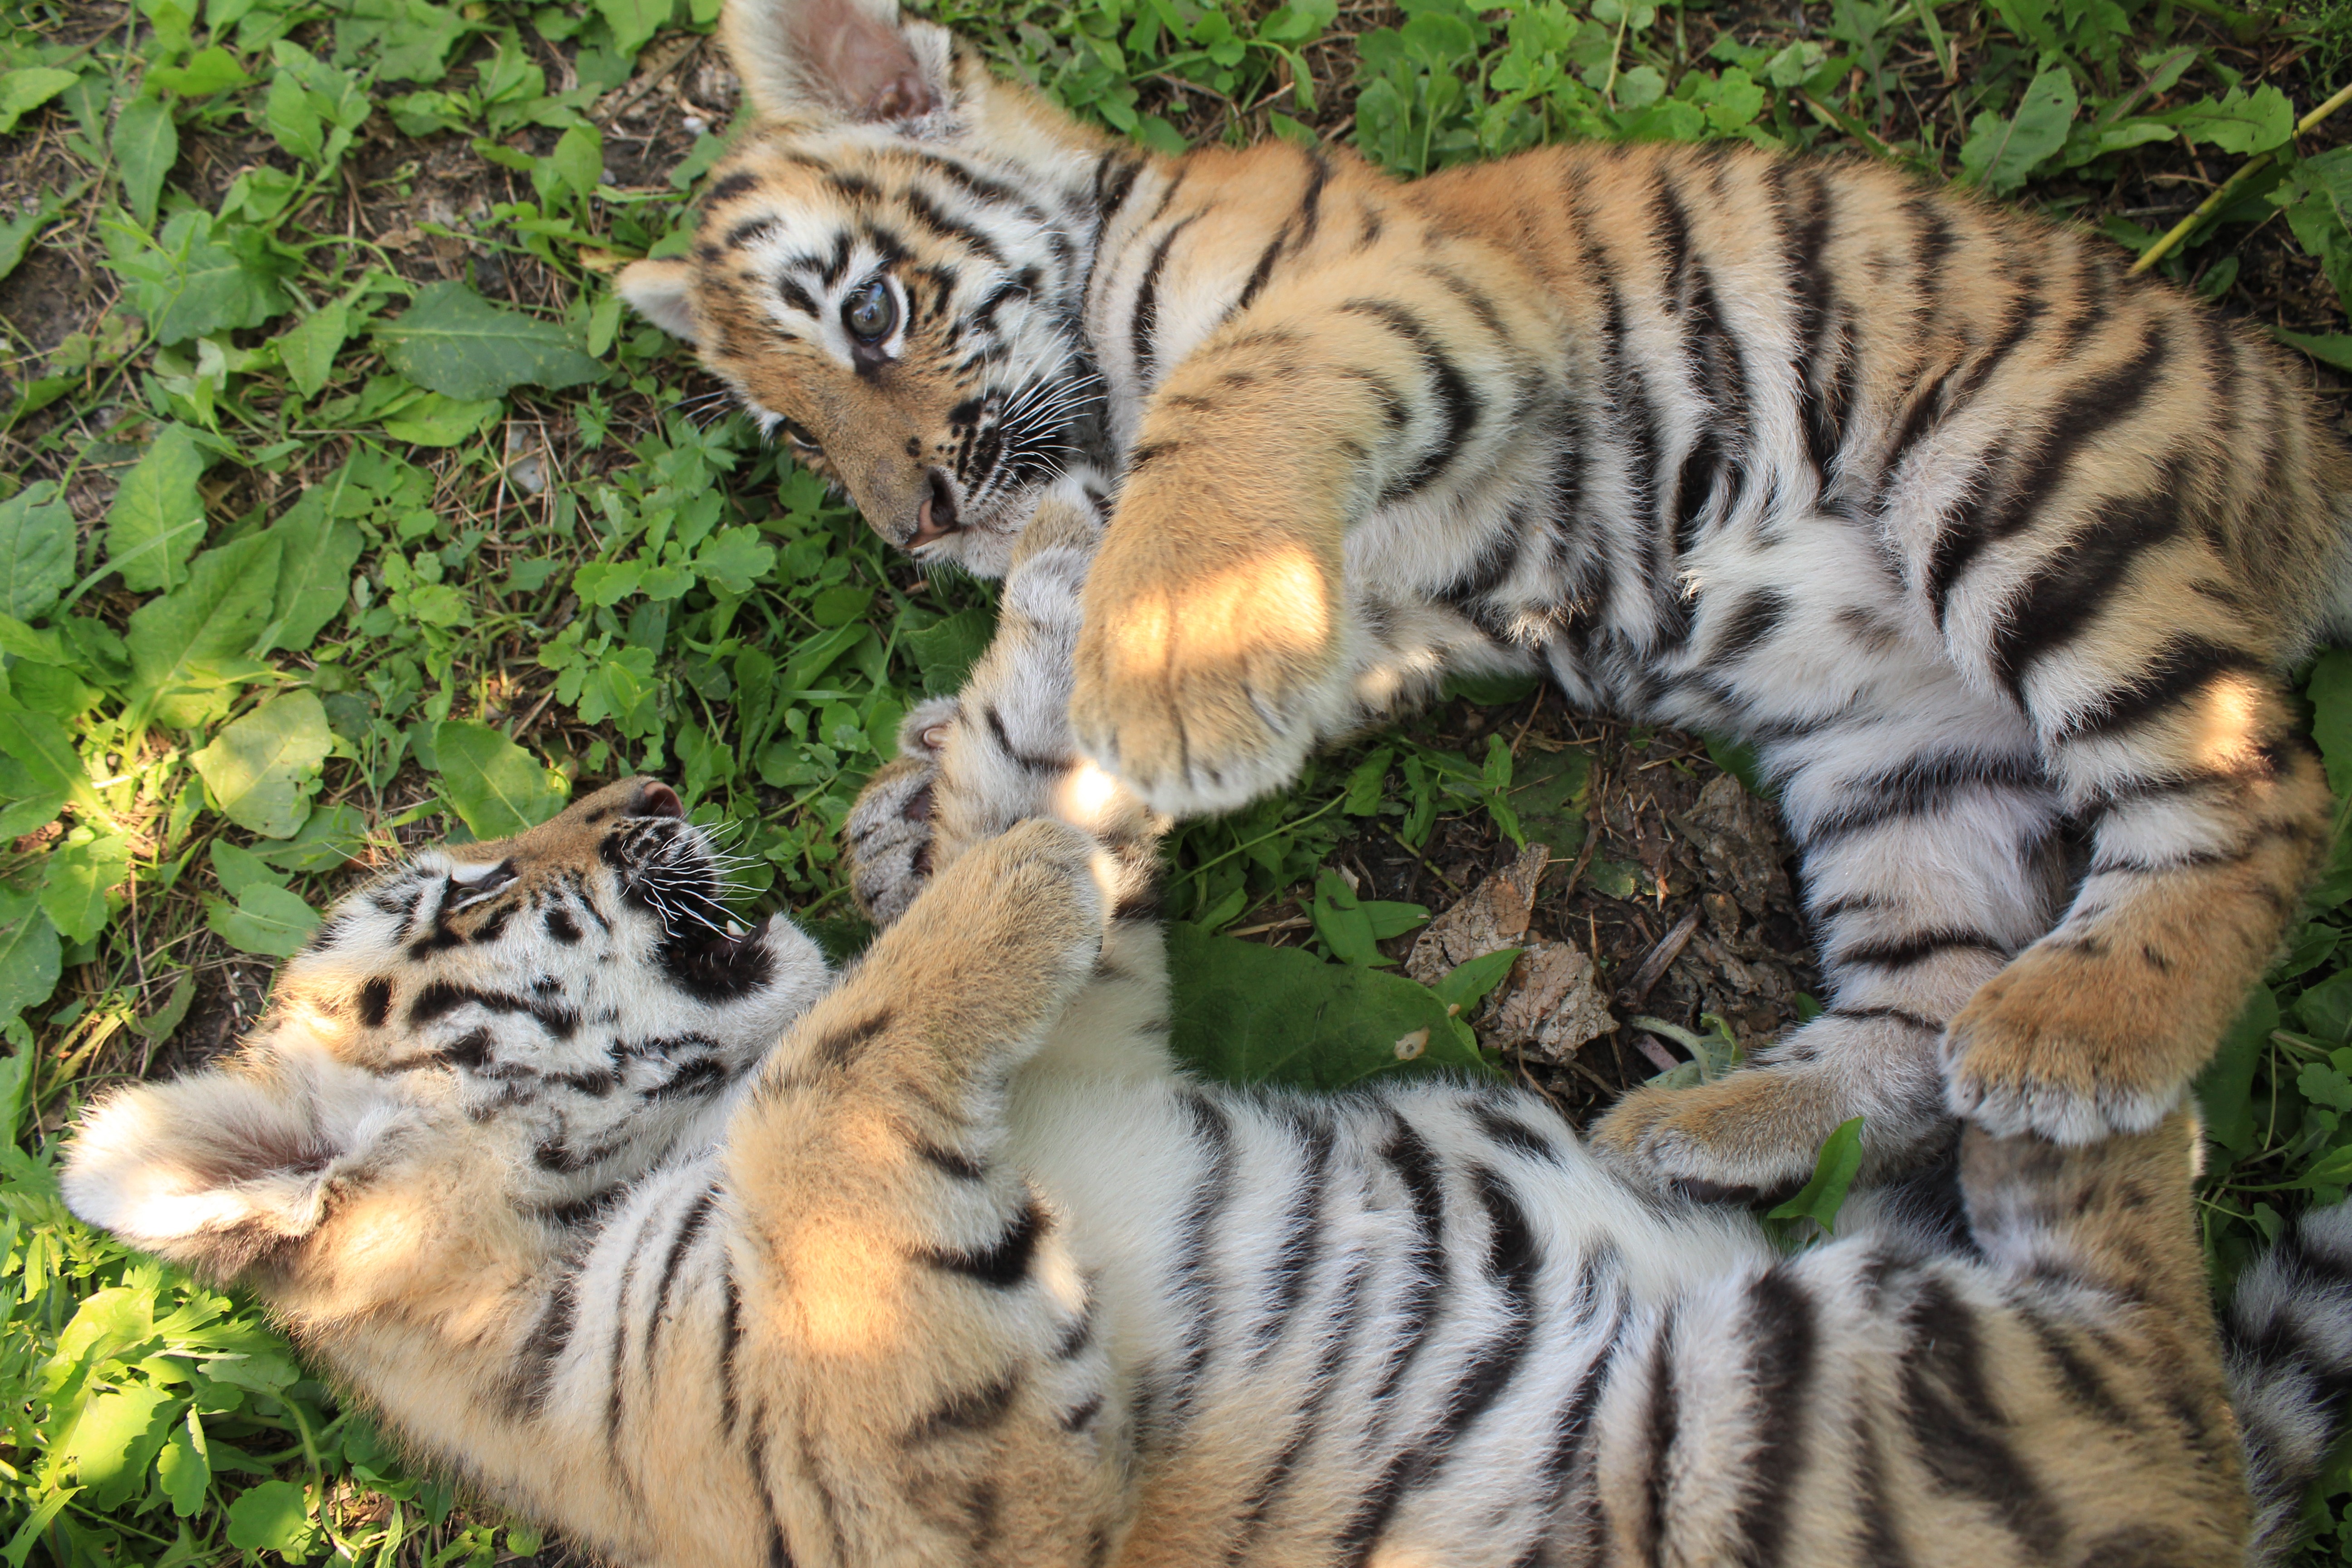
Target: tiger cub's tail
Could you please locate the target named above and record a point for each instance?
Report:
(2289, 1335)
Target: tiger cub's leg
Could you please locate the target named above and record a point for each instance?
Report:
(2210, 817)
(1930, 850)
(921, 1381)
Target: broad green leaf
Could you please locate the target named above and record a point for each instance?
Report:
(28, 954)
(453, 341)
(260, 771)
(578, 160)
(433, 420)
(332, 838)
(291, 114)
(309, 348)
(240, 871)
(158, 517)
(36, 550)
(2330, 691)
(1834, 1172)
(632, 21)
(2334, 348)
(42, 760)
(266, 919)
(945, 650)
(209, 71)
(734, 559)
(1364, 781)
(493, 784)
(146, 144)
(116, 1439)
(317, 553)
(190, 647)
(2333, 1169)
(191, 286)
(184, 1466)
(1247, 1014)
(840, 604)
(2239, 123)
(271, 1517)
(75, 879)
(16, 236)
(22, 91)
(1466, 984)
(2003, 151)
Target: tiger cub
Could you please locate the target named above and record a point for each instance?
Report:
(1977, 540)
(653, 1230)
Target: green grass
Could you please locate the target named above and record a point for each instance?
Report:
(347, 508)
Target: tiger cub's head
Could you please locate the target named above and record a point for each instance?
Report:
(888, 271)
(490, 1035)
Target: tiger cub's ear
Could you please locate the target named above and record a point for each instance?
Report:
(836, 60)
(662, 293)
(220, 1168)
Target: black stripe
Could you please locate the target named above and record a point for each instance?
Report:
(1294, 1265)
(1190, 1280)
(730, 1339)
(1339, 1324)
(927, 213)
(1959, 1436)
(1513, 1133)
(1782, 1341)
(2182, 667)
(1752, 618)
(1310, 205)
(996, 720)
(375, 1002)
(837, 1047)
(688, 1233)
(1916, 787)
(2075, 424)
(1893, 1014)
(1004, 1262)
(980, 1410)
(951, 1162)
(1660, 1429)
(1903, 953)
(534, 1376)
(1408, 1155)
(1145, 321)
(1263, 270)
(2070, 589)
(1570, 1472)
(1513, 1265)
(1455, 399)
(755, 1459)
(2078, 1378)
(1114, 180)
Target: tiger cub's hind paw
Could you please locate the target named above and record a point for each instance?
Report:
(888, 832)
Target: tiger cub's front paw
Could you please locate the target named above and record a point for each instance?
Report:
(1201, 688)
(1758, 1130)
(2078, 1043)
(888, 832)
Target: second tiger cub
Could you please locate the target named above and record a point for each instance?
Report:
(1972, 535)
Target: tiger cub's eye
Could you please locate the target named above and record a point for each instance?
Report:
(871, 312)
